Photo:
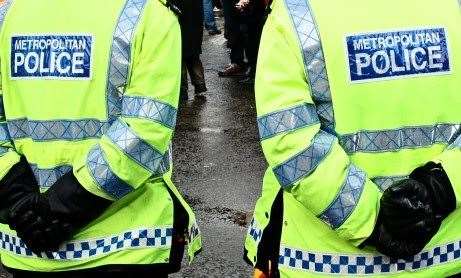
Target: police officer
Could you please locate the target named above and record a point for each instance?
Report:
(358, 111)
(89, 97)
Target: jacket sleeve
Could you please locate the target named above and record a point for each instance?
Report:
(451, 163)
(136, 146)
(307, 159)
(8, 155)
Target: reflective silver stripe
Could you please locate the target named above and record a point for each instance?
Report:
(47, 177)
(373, 264)
(304, 163)
(56, 129)
(103, 175)
(398, 139)
(120, 57)
(137, 239)
(3, 10)
(4, 133)
(287, 120)
(136, 148)
(151, 109)
(314, 60)
(326, 115)
(346, 200)
(385, 182)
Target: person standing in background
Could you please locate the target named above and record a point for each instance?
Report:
(191, 21)
(209, 21)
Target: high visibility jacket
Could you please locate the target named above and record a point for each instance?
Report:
(351, 97)
(92, 87)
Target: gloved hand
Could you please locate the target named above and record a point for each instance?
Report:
(18, 182)
(439, 188)
(406, 220)
(44, 221)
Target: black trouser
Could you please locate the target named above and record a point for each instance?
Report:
(254, 24)
(105, 272)
(192, 65)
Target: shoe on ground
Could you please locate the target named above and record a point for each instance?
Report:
(233, 70)
(247, 81)
(214, 32)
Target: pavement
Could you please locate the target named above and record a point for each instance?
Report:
(218, 166)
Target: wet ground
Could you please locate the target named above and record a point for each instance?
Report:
(218, 166)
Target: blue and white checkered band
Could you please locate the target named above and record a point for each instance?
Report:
(120, 57)
(255, 232)
(287, 120)
(398, 54)
(56, 129)
(315, 68)
(194, 232)
(82, 250)
(401, 138)
(3, 10)
(46, 177)
(103, 175)
(355, 265)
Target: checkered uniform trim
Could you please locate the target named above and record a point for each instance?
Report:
(86, 249)
(137, 149)
(368, 264)
(385, 182)
(398, 139)
(103, 175)
(47, 177)
(194, 232)
(120, 57)
(287, 120)
(347, 198)
(305, 26)
(305, 162)
(255, 232)
(151, 109)
(4, 7)
(68, 130)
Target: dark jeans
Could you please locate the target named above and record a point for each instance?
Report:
(192, 65)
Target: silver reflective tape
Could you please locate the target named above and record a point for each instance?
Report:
(150, 109)
(46, 177)
(4, 7)
(372, 264)
(287, 120)
(4, 133)
(314, 60)
(56, 129)
(304, 163)
(398, 139)
(346, 200)
(103, 175)
(85, 249)
(120, 57)
(139, 150)
(385, 182)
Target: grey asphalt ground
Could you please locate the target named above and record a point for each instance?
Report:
(218, 166)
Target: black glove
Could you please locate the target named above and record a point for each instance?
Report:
(438, 186)
(406, 220)
(45, 221)
(18, 182)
